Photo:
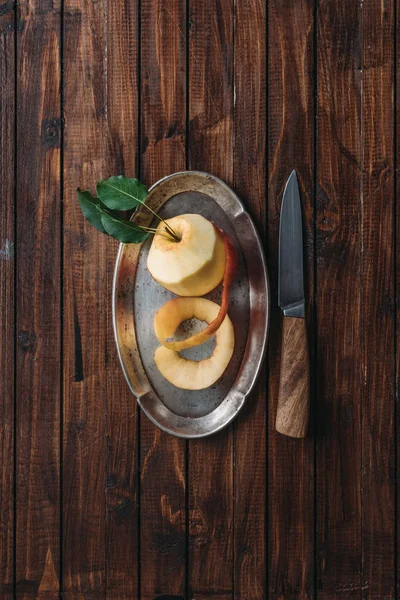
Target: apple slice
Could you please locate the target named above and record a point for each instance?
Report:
(190, 374)
(193, 266)
(169, 316)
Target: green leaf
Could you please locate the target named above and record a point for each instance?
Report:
(91, 208)
(122, 230)
(109, 222)
(121, 193)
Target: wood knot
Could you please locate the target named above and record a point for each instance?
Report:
(6, 7)
(325, 224)
(80, 426)
(167, 543)
(111, 480)
(124, 508)
(27, 341)
(9, 26)
(51, 132)
(198, 525)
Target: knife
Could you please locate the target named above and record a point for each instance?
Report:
(294, 383)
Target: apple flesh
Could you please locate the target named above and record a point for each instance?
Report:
(190, 374)
(169, 316)
(193, 266)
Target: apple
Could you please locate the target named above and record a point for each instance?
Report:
(171, 314)
(190, 374)
(193, 266)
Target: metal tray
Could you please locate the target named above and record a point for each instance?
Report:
(136, 298)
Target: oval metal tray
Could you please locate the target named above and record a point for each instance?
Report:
(136, 298)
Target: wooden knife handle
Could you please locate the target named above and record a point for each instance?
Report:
(294, 385)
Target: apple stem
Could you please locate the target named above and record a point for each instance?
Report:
(167, 237)
(165, 234)
(173, 236)
(168, 228)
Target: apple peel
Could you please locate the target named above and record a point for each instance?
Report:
(169, 316)
(191, 374)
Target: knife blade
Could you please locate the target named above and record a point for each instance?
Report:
(294, 384)
(291, 278)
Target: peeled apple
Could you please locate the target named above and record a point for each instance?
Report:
(193, 266)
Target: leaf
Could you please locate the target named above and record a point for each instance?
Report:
(91, 208)
(109, 222)
(121, 193)
(122, 230)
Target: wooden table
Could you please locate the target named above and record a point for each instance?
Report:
(95, 501)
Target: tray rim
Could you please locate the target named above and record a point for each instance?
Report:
(234, 396)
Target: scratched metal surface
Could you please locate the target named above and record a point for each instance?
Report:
(150, 296)
(137, 297)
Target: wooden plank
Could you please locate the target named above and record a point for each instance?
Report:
(122, 468)
(397, 279)
(38, 261)
(7, 141)
(211, 149)
(339, 300)
(85, 304)
(378, 317)
(250, 116)
(291, 119)
(163, 117)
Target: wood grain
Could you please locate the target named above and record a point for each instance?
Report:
(291, 122)
(122, 465)
(377, 288)
(7, 299)
(163, 477)
(292, 413)
(397, 279)
(339, 273)
(38, 301)
(231, 516)
(85, 305)
(249, 430)
(211, 149)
